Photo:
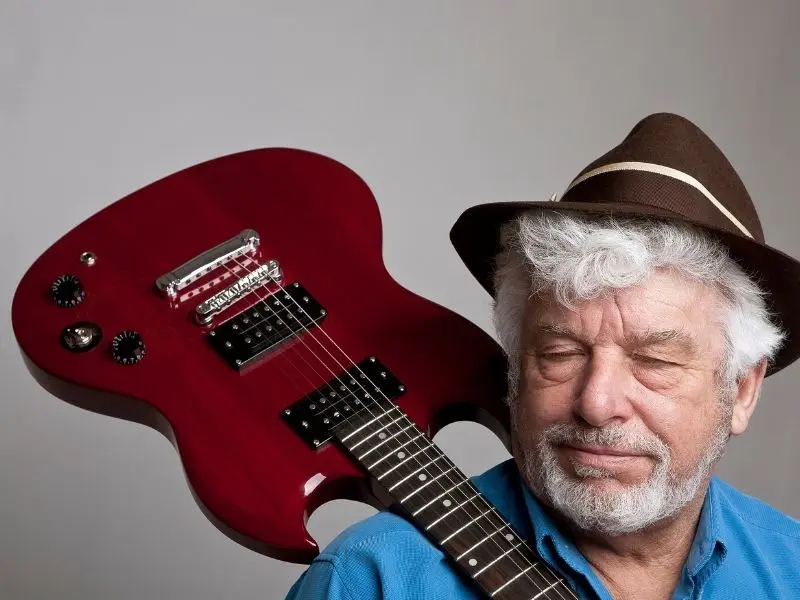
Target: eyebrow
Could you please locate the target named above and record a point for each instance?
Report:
(637, 339)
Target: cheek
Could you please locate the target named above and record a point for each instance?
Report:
(540, 407)
(686, 427)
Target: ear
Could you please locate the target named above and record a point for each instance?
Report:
(747, 393)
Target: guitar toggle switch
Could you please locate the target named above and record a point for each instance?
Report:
(81, 336)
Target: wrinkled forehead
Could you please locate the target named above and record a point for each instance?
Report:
(668, 307)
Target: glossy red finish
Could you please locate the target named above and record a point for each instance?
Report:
(249, 472)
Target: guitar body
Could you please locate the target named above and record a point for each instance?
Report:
(252, 474)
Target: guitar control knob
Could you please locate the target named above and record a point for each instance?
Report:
(127, 347)
(68, 291)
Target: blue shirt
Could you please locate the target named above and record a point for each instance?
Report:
(743, 549)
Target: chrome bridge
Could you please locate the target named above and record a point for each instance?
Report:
(171, 283)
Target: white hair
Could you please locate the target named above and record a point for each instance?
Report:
(577, 258)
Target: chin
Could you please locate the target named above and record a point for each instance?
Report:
(609, 502)
(603, 485)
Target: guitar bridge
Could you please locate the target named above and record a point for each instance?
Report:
(242, 245)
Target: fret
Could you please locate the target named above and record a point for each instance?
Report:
(443, 495)
(386, 431)
(435, 479)
(463, 527)
(509, 573)
(512, 580)
(440, 496)
(350, 402)
(449, 512)
(404, 458)
(388, 439)
(483, 539)
(552, 586)
(459, 502)
(494, 560)
(423, 467)
(416, 440)
(369, 422)
(377, 432)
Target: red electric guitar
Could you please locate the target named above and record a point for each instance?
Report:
(242, 308)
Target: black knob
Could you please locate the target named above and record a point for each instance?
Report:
(127, 347)
(68, 291)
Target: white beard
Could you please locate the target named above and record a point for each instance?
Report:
(612, 513)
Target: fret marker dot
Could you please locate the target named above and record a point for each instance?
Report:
(509, 536)
(472, 562)
(446, 502)
(423, 477)
(401, 455)
(382, 435)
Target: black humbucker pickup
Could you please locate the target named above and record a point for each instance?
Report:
(262, 328)
(369, 384)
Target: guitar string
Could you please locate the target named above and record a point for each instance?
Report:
(270, 333)
(327, 404)
(443, 472)
(469, 499)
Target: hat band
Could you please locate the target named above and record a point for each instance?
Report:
(661, 170)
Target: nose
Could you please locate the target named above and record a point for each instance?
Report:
(602, 397)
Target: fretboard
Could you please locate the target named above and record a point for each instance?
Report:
(442, 502)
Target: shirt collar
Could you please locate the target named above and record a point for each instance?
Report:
(711, 538)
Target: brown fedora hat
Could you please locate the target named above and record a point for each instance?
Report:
(665, 168)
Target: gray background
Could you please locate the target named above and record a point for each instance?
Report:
(438, 106)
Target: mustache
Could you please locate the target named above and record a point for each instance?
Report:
(615, 437)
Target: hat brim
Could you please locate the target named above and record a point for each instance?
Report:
(476, 238)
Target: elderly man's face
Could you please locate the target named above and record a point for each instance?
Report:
(619, 402)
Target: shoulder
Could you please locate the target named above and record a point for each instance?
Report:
(761, 547)
(742, 511)
(375, 535)
(386, 556)
(380, 532)
(369, 559)
(762, 543)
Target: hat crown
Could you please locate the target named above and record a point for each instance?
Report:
(666, 168)
(666, 161)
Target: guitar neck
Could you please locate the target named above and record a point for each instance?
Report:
(442, 502)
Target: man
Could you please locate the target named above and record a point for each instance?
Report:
(640, 314)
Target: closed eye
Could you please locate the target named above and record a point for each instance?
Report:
(559, 355)
(650, 360)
